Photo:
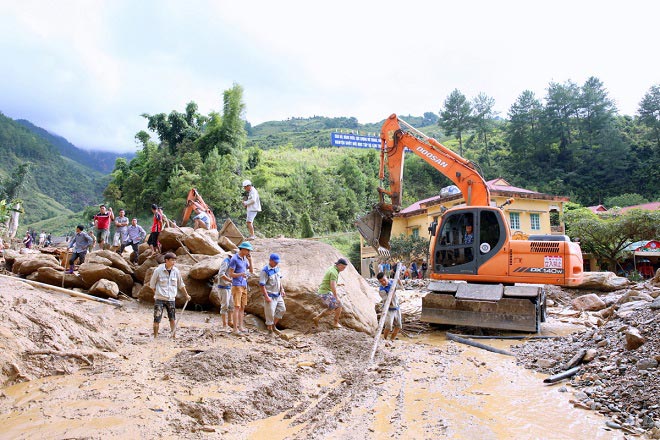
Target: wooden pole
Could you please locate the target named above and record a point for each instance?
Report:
(45, 286)
(458, 339)
(383, 314)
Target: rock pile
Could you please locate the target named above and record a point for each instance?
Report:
(620, 354)
(107, 274)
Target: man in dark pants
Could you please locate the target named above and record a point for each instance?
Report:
(80, 243)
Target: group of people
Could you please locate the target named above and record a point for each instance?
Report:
(42, 240)
(412, 272)
(231, 287)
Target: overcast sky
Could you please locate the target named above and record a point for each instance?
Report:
(87, 69)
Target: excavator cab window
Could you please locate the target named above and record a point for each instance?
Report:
(455, 243)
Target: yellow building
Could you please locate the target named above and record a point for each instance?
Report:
(531, 213)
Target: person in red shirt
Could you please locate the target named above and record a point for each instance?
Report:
(102, 222)
(156, 227)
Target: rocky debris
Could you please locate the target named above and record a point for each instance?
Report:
(303, 265)
(143, 268)
(198, 290)
(10, 256)
(603, 281)
(97, 259)
(118, 262)
(91, 273)
(169, 237)
(207, 268)
(618, 373)
(26, 264)
(49, 275)
(47, 334)
(227, 244)
(105, 288)
(199, 242)
(590, 302)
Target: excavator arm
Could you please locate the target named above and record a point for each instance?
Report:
(376, 226)
(194, 200)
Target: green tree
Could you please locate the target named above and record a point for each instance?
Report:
(623, 200)
(456, 118)
(649, 112)
(408, 247)
(307, 231)
(524, 135)
(607, 235)
(484, 117)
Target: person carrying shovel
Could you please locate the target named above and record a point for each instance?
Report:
(166, 281)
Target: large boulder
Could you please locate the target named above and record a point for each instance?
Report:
(91, 273)
(303, 265)
(200, 243)
(26, 264)
(603, 281)
(141, 271)
(169, 237)
(206, 268)
(189, 259)
(145, 252)
(10, 256)
(590, 302)
(105, 289)
(53, 276)
(118, 261)
(97, 259)
(227, 244)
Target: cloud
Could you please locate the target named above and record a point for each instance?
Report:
(87, 69)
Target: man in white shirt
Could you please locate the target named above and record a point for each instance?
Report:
(166, 281)
(253, 206)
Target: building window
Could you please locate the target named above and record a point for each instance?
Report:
(536, 222)
(415, 232)
(514, 220)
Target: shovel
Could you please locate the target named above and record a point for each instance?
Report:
(176, 323)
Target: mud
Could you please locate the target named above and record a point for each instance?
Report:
(210, 384)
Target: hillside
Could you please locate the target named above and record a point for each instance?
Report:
(55, 184)
(103, 161)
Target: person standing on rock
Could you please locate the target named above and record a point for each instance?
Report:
(80, 243)
(121, 229)
(238, 267)
(222, 286)
(166, 282)
(102, 222)
(270, 280)
(253, 206)
(27, 241)
(134, 236)
(393, 320)
(328, 292)
(156, 227)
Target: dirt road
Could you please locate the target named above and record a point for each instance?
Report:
(208, 384)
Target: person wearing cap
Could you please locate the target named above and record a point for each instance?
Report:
(80, 243)
(270, 280)
(328, 292)
(156, 227)
(134, 236)
(102, 222)
(166, 282)
(238, 267)
(253, 206)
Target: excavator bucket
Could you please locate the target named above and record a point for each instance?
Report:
(376, 228)
(519, 308)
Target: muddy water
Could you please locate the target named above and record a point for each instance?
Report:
(460, 392)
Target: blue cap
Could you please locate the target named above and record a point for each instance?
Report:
(275, 258)
(245, 245)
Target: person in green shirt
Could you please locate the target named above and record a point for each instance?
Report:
(328, 292)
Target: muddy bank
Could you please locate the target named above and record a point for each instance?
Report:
(210, 384)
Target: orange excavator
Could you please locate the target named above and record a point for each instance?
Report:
(471, 243)
(195, 202)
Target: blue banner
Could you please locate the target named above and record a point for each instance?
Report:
(354, 140)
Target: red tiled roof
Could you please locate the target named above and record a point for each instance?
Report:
(653, 206)
(493, 185)
(597, 209)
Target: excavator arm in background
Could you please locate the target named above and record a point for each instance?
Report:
(376, 227)
(194, 200)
